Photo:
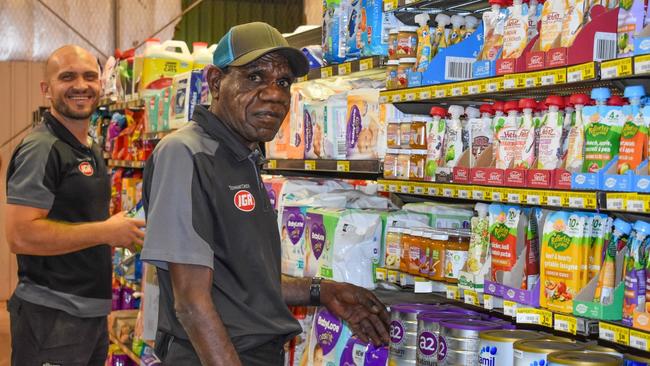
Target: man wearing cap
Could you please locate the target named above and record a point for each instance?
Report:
(211, 230)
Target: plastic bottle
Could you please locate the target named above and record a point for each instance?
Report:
(453, 137)
(457, 23)
(435, 142)
(635, 273)
(550, 135)
(161, 62)
(440, 38)
(470, 26)
(576, 139)
(424, 43)
(634, 135)
(526, 136)
(201, 55)
(506, 135)
(604, 293)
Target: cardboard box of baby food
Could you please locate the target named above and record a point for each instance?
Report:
(485, 171)
(585, 306)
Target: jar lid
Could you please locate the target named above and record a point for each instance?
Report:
(408, 60)
(413, 308)
(469, 324)
(408, 28)
(546, 346)
(392, 62)
(509, 335)
(438, 236)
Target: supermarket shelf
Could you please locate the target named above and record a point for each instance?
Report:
(156, 135)
(126, 164)
(345, 68)
(124, 348)
(538, 197)
(326, 165)
(625, 202)
(447, 6)
(131, 102)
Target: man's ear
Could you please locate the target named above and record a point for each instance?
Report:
(214, 75)
(45, 90)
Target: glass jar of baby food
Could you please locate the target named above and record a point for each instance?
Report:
(456, 250)
(425, 253)
(391, 74)
(416, 168)
(404, 69)
(407, 41)
(403, 164)
(419, 132)
(390, 164)
(437, 261)
(415, 249)
(405, 250)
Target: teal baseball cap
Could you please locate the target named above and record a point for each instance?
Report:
(246, 43)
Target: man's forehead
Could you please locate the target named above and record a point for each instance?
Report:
(71, 60)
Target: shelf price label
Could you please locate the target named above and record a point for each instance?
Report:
(405, 188)
(418, 189)
(453, 293)
(409, 97)
(381, 187)
(326, 72)
(553, 77)
(532, 79)
(494, 85)
(392, 188)
(514, 197)
(432, 191)
(642, 64)
(447, 192)
(383, 98)
(496, 195)
(640, 340)
(310, 164)
(509, 82)
(396, 98)
(381, 274)
(510, 308)
(393, 276)
(463, 193)
(614, 333)
(272, 164)
(343, 166)
(477, 194)
(634, 205)
(576, 202)
(615, 201)
(533, 199)
(535, 316)
(488, 302)
(457, 90)
(345, 68)
(582, 72)
(554, 200)
(365, 64)
(616, 68)
(441, 92)
(565, 323)
(471, 298)
(425, 94)
(473, 88)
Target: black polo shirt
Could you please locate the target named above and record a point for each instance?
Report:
(206, 205)
(52, 170)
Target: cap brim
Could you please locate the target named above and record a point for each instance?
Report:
(297, 60)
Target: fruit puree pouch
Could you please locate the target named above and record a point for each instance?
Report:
(602, 135)
(314, 124)
(479, 243)
(453, 137)
(494, 27)
(481, 133)
(572, 24)
(549, 145)
(366, 134)
(505, 132)
(505, 221)
(561, 260)
(515, 37)
(457, 31)
(635, 271)
(526, 137)
(600, 230)
(534, 13)
(435, 141)
(634, 138)
(531, 269)
(292, 237)
(553, 14)
(424, 43)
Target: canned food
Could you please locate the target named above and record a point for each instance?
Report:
(633, 360)
(462, 344)
(460, 358)
(603, 349)
(496, 345)
(583, 358)
(466, 328)
(403, 329)
(535, 352)
(429, 334)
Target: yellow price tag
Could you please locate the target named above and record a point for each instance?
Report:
(582, 72)
(471, 297)
(535, 316)
(565, 323)
(383, 97)
(345, 68)
(441, 91)
(326, 72)
(343, 166)
(310, 164)
(453, 293)
(433, 190)
(390, 5)
(473, 87)
(494, 84)
(616, 68)
(642, 64)
(510, 308)
(405, 188)
(393, 276)
(510, 81)
(488, 302)
(272, 164)
(396, 97)
(425, 93)
(302, 79)
(614, 333)
(532, 79)
(640, 340)
(365, 64)
(456, 89)
(497, 195)
(615, 201)
(448, 191)
(381, 274)
(418, 188)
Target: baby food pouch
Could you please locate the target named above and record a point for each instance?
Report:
(366, 133)
(440, 38)
(600, 230)
(553, 14)
(481, 133)
(572, 23)
(576, 139)
(494, 27)
(526, 137)
(505, 221)
(515, 37)
(635, 271)
(424, 43)
(505, 132)
(531, 269)
(634, 138)
(435, 142)
(549, 145)
(457, 30)
(314, 125)
(453, 137)
(561, 260)
(534, 13)
(479, 243)
(602, 135)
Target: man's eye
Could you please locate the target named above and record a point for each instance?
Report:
(284, 84)
(254, 78)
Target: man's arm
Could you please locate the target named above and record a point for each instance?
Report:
(360, 308)
(192, 285)
(30, 232)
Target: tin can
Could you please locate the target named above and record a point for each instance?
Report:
(403, 330)
(583, 358)
(496, 345)
(603, 349)
(460, 358)
(633, 360)
(535, 352)
(467, 329)
(429, 334)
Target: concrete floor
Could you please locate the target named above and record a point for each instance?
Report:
(5, 342)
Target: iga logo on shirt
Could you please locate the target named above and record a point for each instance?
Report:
(244, 201)
(86, 169)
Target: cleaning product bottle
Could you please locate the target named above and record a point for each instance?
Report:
(494, 24)
(526, 136)
(506, 129)
(479, 244)
(635, 272)
(453, 137)
(457, 24)
(515, 36)
(201, 54)
(550, 135)
(604, 293)
(440, 38)
(162, 62)
(470, 26)
(435, 142)
(576, 139)
(471, 114)
(424, 43)
(634, 135)
(602, 131)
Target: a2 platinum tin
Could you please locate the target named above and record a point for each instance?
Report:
(403, 331)
(429, 334)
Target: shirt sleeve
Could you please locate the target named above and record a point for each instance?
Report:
(32, 176)
(171, 236)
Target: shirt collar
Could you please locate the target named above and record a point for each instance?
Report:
(218, 130)
(61, 131)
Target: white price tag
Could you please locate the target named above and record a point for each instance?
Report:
(418, 190)
(473, 89)
(634, 205)
(404, 188)
(548, 79)
(425, 95)
(392, 188)
(562, 325)
(608, 72)
(488, 302)
(440, 93)
(638, 342)
(606, 334)
(392, 276)
(576, 202)
(383, 99)
(396, 98)
(447, 192)
(509, 83)
(510, 308)
(471, 298)
(491, 87)
(453, 293)
(532, 199)
(554, 201)
(457, 91)
(432, 191)
(574, 76)
(530, 82)
(513, 197)
(615, 204)
(641, 67)
(410, 97)
(477, 195)
(463, 194)
(496, 196)
(527, 318)
(388, 6)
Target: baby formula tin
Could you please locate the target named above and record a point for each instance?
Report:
(460, 332)
(496, 345)
(429, 333)
(603, 349)
(403, 331)
(633, 360)
(583, 358)
(535, 352)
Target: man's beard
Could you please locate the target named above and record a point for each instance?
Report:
(69, 113)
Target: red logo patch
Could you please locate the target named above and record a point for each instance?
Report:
(86, 169)
(244, 201)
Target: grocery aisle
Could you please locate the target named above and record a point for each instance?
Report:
(4, 335)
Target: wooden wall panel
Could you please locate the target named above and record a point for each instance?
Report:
(19, 96)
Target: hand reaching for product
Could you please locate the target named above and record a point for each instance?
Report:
(360, 308)
(122, 231)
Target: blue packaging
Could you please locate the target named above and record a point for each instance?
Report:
(353, 29)
(374, 28)
(334, 31)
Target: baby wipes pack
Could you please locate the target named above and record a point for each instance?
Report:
(292, 237)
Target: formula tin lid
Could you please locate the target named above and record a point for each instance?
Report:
(436, 315)
(584, 358)
(415, 308)
(635, 358)
(469, 324)
(509, 335)
(546, 346)
(603, 349)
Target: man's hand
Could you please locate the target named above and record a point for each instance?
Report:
(122, 231)
(360, 308)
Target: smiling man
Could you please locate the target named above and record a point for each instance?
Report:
(212, 232)
(57, 223)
